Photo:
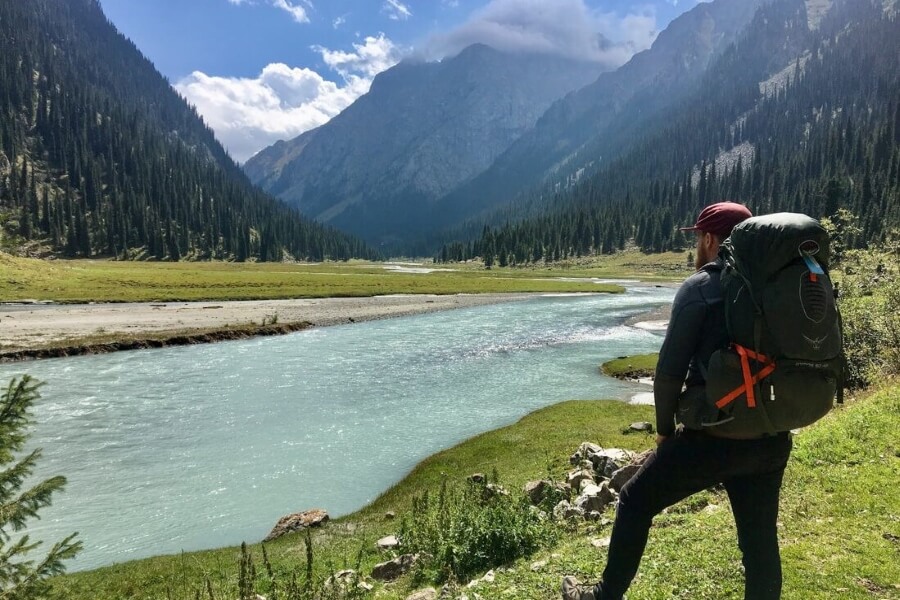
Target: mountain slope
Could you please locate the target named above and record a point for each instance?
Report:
(99, 156)
(786, 120)
(596, 122)
(422, 129)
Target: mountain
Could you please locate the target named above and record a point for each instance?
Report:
(580, 131)
(100, 157)
(802, 114)
(421, 130)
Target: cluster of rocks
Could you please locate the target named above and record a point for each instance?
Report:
(597, 477)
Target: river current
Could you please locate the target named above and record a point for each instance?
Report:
(203, 446)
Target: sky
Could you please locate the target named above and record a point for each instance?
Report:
(260, 71)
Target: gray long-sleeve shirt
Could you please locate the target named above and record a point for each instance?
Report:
(696, 329)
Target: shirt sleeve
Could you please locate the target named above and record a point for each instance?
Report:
(682, 339)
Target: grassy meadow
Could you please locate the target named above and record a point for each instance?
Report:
(839, 523)
(76, 281)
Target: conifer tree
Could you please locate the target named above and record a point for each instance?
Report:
(22, 577)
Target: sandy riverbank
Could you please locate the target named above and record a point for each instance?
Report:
(25, 328)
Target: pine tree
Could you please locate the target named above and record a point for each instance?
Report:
(20, 577)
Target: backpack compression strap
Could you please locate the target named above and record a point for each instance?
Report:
(750, 380)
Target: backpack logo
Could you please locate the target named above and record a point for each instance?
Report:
(816, 344)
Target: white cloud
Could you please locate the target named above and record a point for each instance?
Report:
(396, 10)
(297, 12)
(339, 21)
(282, 102)
(562, 27)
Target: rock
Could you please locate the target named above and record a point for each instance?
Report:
(492, 490)
(584, 452)
(641, 458)
(297, 521)
(341, 578)
(537, 491)
(392, 569)
(538, 565)
(622, 476)
(600, 543)
(593, 516)
(390, 515)
(564, 510)
(575, 478)
(489, 577)
(641, 427)
(387, 542)
(478, 478)
(365, 585)
(426, 594)
(608, 461)
(595, 498)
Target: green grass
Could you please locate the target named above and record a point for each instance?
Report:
(839, 522)
(112, 281)
(631, 367)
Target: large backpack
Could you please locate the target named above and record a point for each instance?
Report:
(784, 364)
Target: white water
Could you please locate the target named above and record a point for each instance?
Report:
(203, 446)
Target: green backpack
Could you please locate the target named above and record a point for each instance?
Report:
(784, 364)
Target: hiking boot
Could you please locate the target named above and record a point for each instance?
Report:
(573, 590)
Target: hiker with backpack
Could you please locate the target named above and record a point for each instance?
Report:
(752, 350)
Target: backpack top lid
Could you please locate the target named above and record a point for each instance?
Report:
(761, 246)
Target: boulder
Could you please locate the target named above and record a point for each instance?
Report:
(392, 569)
(584, 452)
(595, 498)
(610, 460)
(574, 478)
(297, 521)
(387, 542)
(538, 490)
(622, 476)
(564, 510)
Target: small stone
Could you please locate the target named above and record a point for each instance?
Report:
(364, 585)
(340, 579)
(538, 565)
(390, 515)
(426, 594)
(600, 543)
(478, 478)
(712, 508)
(594, 515)
(387, 542)
(489, 577)
(641, 426)
(492, 489)
(392, 569)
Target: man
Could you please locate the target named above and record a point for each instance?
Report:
(687, 460)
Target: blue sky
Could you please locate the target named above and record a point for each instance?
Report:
(264, 70)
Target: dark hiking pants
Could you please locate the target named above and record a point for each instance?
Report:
(750, 470)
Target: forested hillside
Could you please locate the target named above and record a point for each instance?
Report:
(819, 134)
(100, 157)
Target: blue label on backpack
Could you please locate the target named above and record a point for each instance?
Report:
(812, 265)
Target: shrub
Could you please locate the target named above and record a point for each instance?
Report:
(471, 528)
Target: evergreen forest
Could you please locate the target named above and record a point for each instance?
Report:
(99, 157)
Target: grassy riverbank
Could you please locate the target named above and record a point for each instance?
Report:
(631, 367)
(840, 519)
(111, 281)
